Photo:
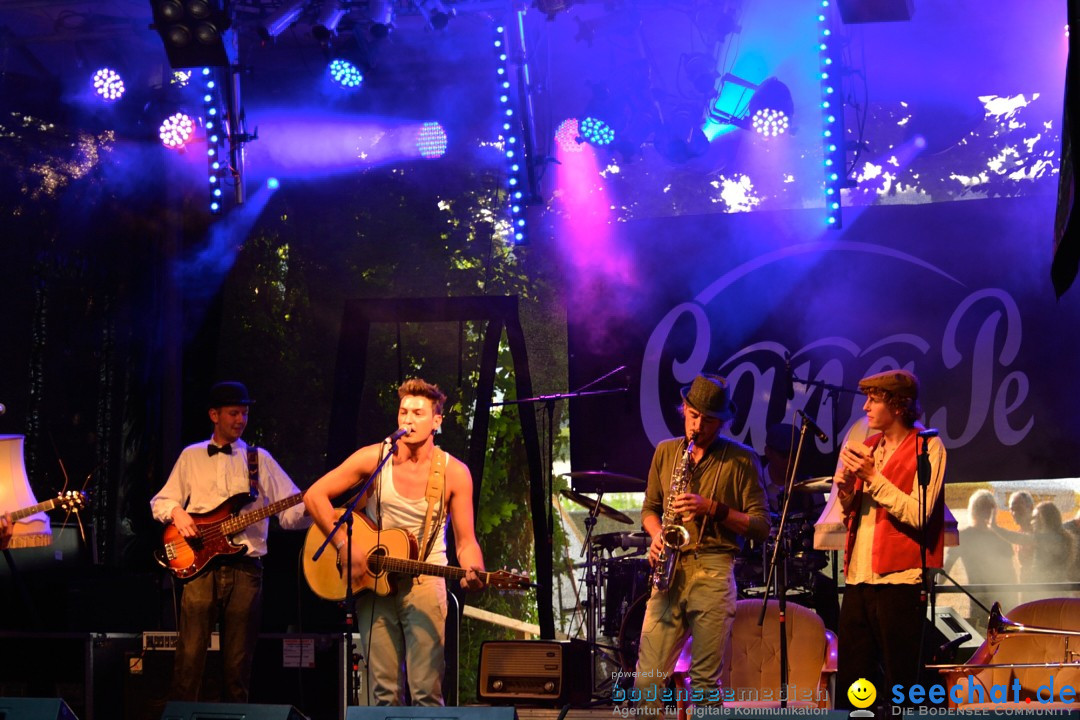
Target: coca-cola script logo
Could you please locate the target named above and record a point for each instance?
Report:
(983, 387)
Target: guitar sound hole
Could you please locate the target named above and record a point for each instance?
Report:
(374, 566)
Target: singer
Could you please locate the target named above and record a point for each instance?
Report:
(882, 616)
(417, 491)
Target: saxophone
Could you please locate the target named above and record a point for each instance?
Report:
(674, 535)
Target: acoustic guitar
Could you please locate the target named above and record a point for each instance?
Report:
(388, 552)
(187, 558)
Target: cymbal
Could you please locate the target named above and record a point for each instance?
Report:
(814, 485)
(604, 481)
(590, 503)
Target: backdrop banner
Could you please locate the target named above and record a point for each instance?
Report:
(959, 293)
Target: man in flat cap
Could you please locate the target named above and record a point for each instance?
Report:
(722, 502)
(206, 476)
(882, 615)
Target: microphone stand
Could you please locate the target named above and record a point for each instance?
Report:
(549, 408)
(346, 519)
(927, 591)
(777, 569)
(832, 396)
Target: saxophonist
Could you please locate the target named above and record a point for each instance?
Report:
(696, 532)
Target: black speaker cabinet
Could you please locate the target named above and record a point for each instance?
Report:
(534, 672)
(35, 709)
(435, 713)
(229, 711)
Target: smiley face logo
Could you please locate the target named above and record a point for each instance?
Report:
(862, 693)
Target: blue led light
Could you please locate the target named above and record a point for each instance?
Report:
(214, 207)
(345, 74)
(273, 183)
(431, 140)
(596, 131)
(108, 84)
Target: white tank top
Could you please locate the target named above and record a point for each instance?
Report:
(406, 513)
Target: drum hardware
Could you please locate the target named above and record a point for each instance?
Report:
(596, 507)
(999, 628)
(623, 540)
(814, 485)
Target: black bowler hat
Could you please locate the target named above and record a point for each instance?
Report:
(709, 395)
(226, 394)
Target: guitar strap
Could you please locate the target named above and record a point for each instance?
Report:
(253, 470)
(435, 490)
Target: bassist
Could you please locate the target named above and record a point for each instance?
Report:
(421, 489)
(205, 476)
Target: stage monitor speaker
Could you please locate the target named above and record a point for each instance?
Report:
(945, 642)
(867, 11)
(435, 713)
(12, 708)
(176, 710)
(534, 672)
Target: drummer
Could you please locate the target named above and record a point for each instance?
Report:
(780, 442)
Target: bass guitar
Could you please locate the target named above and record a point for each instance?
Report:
(388, 552)
(187, 558)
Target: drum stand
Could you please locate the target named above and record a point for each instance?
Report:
(592, 599)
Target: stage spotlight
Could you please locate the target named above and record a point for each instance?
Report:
(194, 32)
(345, 74)
(280, 20)
(435, 13)
(596, 132)
(567, 134)
(381, 14)
(329, 17)
(108, 84)
(766, 108)
(272, 183)
(771, 108)
(431, 140)
(176, 131)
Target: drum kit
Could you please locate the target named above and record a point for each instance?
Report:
(616, 567)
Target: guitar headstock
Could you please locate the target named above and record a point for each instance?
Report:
(71, 501)
(506, 580)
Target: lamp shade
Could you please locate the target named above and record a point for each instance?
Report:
(15, 494)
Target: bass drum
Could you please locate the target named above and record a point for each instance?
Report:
(630, 633)
(630, 639)
(625, 579)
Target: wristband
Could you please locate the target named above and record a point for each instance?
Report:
(340, 545)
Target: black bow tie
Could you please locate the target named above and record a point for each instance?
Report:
(213, 450)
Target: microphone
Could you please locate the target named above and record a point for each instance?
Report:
(789, 384)
(947, 650)
(928, 433)
(400, 433)
(809, 422)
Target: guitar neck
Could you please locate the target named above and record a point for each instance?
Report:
(233, 525)
(416, 567)
(32, 510)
